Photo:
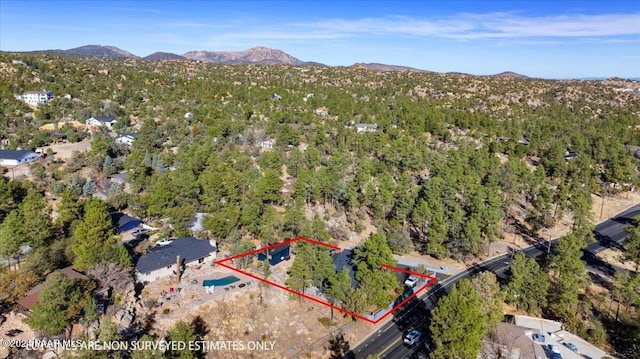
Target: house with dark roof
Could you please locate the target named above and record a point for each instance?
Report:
(101, 121)
(29, 300)
(124, 222)
(170, 259)
(344, 259)
(17, 157)
(276, 254)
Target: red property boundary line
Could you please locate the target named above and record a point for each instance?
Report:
(430, 280)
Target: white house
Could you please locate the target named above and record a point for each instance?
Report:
(322, 111)
(127, 138)
(17, 157)
(366, 128)
(36, 98)
(101, 121)
(162, 261)
(267, 145)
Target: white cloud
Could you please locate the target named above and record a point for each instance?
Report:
(465, 26)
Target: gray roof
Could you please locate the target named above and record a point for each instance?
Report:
(345, 259)
(129, 134)
(121, 219)
(188, 248)
(14, 154)
(109, 118)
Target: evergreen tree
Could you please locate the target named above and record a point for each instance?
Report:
(94, 239)
(36, 223)
(488, 288)
(59, 303)
(458, 323)
(181, 332)
(69, 210)
(568, 279)
(632, 244)
(12, 236)
(528, 285)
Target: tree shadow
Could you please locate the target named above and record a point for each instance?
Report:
(339, 348)
(200, 327)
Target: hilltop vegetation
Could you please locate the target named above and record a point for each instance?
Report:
(456, 162)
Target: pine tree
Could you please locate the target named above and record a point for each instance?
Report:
(632, 244)
(181, 332)
(528, 285)
(12, 236)
(488, 288)
(568, 279)
(458, 323)
(34, 213)
(94, 239)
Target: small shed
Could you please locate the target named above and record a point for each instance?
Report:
(276, 254)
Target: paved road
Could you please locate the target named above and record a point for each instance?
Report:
(387, 340)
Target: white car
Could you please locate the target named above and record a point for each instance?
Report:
(163, 242)
(411, 281)
(140, 232)
(412, 337)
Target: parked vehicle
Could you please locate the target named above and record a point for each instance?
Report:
(163, 242)
(141, 232)
(538, 338)
(412, 337)
(411, 281)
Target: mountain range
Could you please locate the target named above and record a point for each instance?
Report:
(255, 55)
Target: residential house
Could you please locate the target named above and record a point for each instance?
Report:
(127, 138)
(124, 223)
(17, 157)
(344, 259)
(276, 254)
(120, 178)
(568, 155)
(36, 98)
(366, 128)
(58, 137)
(322, 111)
(101, 121)
(524, 141)
(267, 145)
(171, 259)
(29, 300)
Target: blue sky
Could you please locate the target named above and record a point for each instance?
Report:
(550, 39)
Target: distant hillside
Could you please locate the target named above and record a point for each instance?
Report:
(98, 50)
(510, 74)
(254, 55)
(383, 67)
(163, 56)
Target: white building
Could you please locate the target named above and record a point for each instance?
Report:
(101, 121)
(366, 128)
(267, 145)
(126, 138)
(17, 157)
(36, 98)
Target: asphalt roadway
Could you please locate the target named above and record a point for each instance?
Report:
(386, 341)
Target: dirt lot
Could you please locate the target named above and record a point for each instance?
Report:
(63, 151)
(255, 312)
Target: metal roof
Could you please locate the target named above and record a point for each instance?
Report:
(14, 154)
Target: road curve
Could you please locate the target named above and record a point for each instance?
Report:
(386, 341)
